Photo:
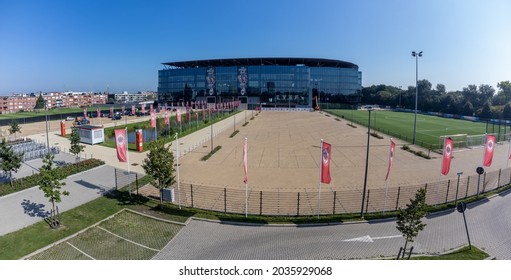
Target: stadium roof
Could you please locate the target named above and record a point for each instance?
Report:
(311, 62)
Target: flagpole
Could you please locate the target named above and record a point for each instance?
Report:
(128, 160)
(386, 189)
(440, 175)
(246, 181)
(320, 173)
(508, 153)
(177, 167)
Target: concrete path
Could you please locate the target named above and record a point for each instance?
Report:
(488, 224)
(24, 208)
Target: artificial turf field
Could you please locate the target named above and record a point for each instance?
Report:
(429, 128)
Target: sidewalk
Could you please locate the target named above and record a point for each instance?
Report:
(26, 207)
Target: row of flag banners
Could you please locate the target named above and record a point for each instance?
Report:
(326, 151)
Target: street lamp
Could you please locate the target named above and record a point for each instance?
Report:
(416, 55)
(367, 162)
(457, 186)
(46, 117)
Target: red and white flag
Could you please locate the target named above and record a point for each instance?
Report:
(325, 162)
(245, 164)
(153, 119)
(98, 113)
(391, 156)
(133, 110)
(447, 156)
(143, 109)
(166, 117)
(178, 115)
(488, 153)
(121, 143)
(84, 112)
(151, 109)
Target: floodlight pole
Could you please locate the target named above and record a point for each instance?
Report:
(416, 55)
(367, 163)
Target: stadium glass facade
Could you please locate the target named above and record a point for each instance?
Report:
(266, 82)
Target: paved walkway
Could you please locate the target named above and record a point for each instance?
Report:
(27, 207)
(488, 223)
(109, 156)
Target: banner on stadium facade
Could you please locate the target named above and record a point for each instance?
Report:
(211, 80)
(242, 80)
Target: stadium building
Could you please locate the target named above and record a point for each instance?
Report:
(266, 82)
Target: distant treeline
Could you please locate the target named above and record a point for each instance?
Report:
(481, 101)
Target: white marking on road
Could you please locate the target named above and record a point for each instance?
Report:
(368, 238)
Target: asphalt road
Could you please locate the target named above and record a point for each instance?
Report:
(487, 221)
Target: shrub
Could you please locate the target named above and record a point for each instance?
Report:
(206, 157)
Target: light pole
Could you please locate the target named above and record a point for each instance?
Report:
(367, 162)
(416, 55)
(47, 137)
(457, 186)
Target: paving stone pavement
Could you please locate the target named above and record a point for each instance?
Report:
(487, 222)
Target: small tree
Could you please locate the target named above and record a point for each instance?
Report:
(409, 221)
(14, 128)
(10, 161)
(76, 148)
(39, 103)
(50, 184)
(159, 164)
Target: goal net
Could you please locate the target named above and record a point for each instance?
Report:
(469, 141)
(460, 140)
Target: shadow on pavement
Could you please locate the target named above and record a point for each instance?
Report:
(34, 209)
(101, 189)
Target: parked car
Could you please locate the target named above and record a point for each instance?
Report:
(80, 121)
(69, 118)
(117, 116)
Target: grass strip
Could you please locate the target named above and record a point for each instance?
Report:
(206, 157)
(465, 253)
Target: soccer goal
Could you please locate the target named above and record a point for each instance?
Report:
(460, 140)
(469, 141)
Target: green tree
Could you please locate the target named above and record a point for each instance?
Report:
(159, 164)
(39, 103)
(409, 220)
(505, 89)
(486, 111)
(9, 160)
(76, 148)
(14, 127)
(506, 112)
(468, 109)
(50, 183)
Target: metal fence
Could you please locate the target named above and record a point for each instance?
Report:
(330, 202)
(32, 149)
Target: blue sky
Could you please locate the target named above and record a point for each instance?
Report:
(91, 45)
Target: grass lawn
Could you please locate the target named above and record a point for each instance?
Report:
(186, 128)
(429, 128)
(464, 253)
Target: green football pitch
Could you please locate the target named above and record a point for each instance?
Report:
(429, 129)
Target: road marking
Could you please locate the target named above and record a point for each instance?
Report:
(367, 238)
